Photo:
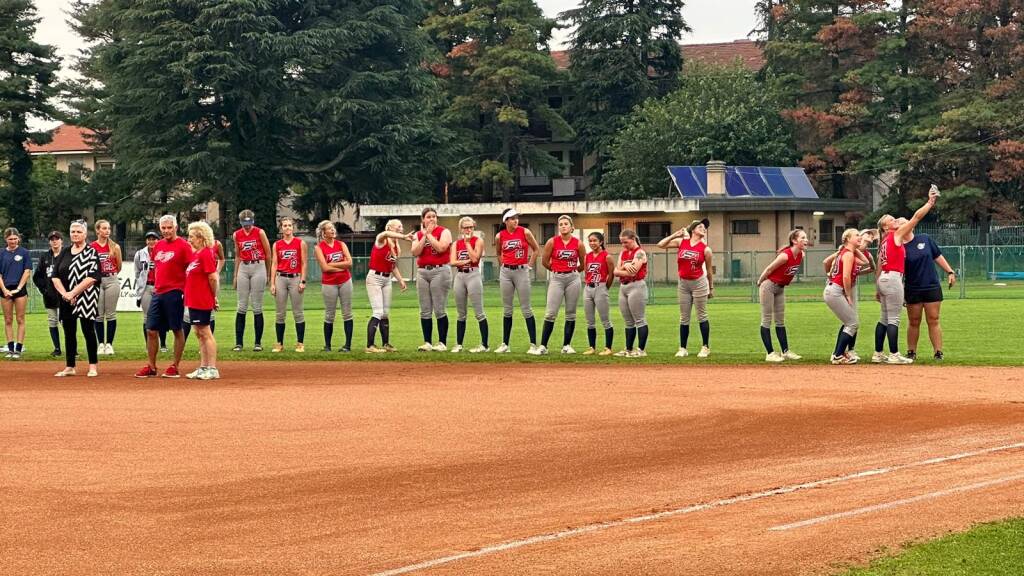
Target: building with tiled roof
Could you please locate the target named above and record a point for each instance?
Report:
(72, 146)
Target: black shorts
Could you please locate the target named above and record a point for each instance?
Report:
(197, 317)
(19, 294)
(166, 311)
(924, 296)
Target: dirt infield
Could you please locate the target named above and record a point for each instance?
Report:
(389, 468)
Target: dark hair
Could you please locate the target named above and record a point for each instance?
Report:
(628, 233)
(599, 236)
(427, 210)
(11, 232)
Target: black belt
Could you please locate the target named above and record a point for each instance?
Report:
(379, 273)
(431, 267)
(109, 274)
(624, 282)
(516, 267)
(557, 272)
(251, 261)
(593, 284)
(150, 283)
(468, 270)
(287, 275)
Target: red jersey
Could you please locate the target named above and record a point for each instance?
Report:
(892, 258)
(334, 255)
(690, 260)
(171, 258)
(431, 257)
(288, 254)
(784, 274)
(107, 267)
(248, 246)
(835, 274)
(151, 267)
(513, 246)
(198, 293)
(627, 256)
(462, 252)
(565, 256)
(596, 268)
(382, 259)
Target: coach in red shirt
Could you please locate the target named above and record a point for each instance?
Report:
(171, 257)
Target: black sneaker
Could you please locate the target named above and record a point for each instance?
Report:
(326, 349)
(344, 349)
(56, 353)
(911, 354)
(237, 348)
(257, 348)
(938, 355)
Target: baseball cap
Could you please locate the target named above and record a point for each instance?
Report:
(152, 234)
(54, 235)
(511, 213)
(247, 221)
(706, 223)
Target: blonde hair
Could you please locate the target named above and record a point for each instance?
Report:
(565, 217)
(281, 222)
(850, 233)
(110, 240)
(323, 225)
(393, 224)
(466, 221)
(205, 232)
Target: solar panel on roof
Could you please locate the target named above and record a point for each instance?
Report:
(754, 180)
(734, 185)
(798, 181)
(745, 181)
(778, 185)
(687, 183)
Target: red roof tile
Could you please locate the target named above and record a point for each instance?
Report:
(720, 53)
(66, 138)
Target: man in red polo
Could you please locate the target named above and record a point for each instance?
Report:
(171, 256)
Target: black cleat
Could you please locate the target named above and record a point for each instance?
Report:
(938, 355)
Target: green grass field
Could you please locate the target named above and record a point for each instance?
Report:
(976, 332)
(987, 550)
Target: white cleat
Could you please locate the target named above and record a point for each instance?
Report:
(682, 353)
(898, 358)
(704, 352)
(879, 357)
(789, 355)
(853, 355)
(426, 347)
(568, 349)
(624, 353)
(844, 359)
(195, 373)
(209, 374)
(457, 348)
(774, 357)
(478, 349)
(440, 347)
(503, 349)
(638, 353)
(537, 350)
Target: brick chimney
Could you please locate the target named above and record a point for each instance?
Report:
(716, 178)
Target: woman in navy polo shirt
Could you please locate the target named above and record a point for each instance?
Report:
(923, 290)
(15, 268)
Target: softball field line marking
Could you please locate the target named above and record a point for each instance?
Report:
(601, 526)
(895, 503)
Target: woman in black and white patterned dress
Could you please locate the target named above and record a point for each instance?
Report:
(76, 276)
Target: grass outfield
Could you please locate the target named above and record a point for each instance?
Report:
(976, 332)
(987, 550)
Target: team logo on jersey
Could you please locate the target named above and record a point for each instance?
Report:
(104, 256)
(792, 270)
(164, 256)
(514, 244)
(688, 254)
(391, 257)
(568, 255)
(249, 245)
(291, 255)
(192, 266)
(920, 245)
(462, 255)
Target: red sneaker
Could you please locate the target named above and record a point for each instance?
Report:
(146, 372)
(171, 372)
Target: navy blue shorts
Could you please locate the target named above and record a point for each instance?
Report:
(924, 296)
(197, 317)
(166, 311)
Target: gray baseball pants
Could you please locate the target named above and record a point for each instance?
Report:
(693, 292)
(511, 283)
(469, 289)
(563, 287)
(432, 287)
(333, 294)
(596, 299)
(252, 282)
(288, 289)
(890, 291)
(633, 304)
(773, 304)
(378, 290)
(835, 299)
(110, 289)
(53, 317)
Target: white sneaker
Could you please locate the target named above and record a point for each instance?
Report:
(195, 373)
(842, 360)
(898, 358)
(457, 348)
(568, 349)
(683, 353)
(65, 373)
(879, 357)
(638, 353)
(440, 347)
(537, 350)
(623, 353)
(774, 357)
(853, 354)
(209, 374)
(789, 355)
(503, 349)
(426, 347)
(479, 349)
(704, 352)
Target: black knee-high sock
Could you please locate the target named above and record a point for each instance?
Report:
(705, 333)
(506, 329)
(371, 331)
(427, 327)
(842, 344)
(766, 339)
(568, 331)
(630, 338)
(780, 331)
(460, 331)
(442, 329)
(609, 336)
(300, 331)
(684, 335)
(385, 331)
(100, 332)
(186, 329)
(879, 336)
(279, 328)
(55, 337)
(531, 329)
(328, 334)
(893, 333)
(239, 328)
(839, 337)
(853, 340)
(257, 323)
(592, 337)
(484, 332)
(641, 336)
(545, 333)
(349, 324)
(111, 330)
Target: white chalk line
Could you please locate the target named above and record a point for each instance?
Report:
(895, 503)
(601, 526)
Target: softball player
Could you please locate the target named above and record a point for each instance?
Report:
(517, 253)
(110, 287)
(772, 286)
(839, 295)
(597, 271)
(563, 256)
(202, 282)
(631, 271)
(383, 257)
(41, 277)
(469, 284)
(252, 268)
(865, 265)
(336, 282)
(432, 249)
(288, 283)
(15, 271)
(696, 283)
(892, 255)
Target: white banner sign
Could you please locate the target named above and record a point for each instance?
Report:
(126, 279)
